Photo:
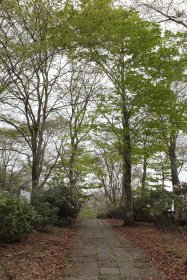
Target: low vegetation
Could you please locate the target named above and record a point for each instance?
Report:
(56, 205)
(17, 217)
(87, 214)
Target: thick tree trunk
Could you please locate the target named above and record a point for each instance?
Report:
(35, 177)
(173, 162)
(163, 176)
(72, 184)
(71, 175)
(174, 172)
(127, 166)
(144, 175)
(36, 160)
(127, 195)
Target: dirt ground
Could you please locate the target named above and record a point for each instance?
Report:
(167, 251)
(96, 250)
(40, 256)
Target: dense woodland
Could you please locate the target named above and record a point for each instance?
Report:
(93, 101)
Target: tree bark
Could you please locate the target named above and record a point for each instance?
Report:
(35, 173)
(72, 180)
(173, 162)
(37, 154)
(127, 166)
(71, 175)
(144, 175)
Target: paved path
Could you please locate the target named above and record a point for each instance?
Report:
(101, 253)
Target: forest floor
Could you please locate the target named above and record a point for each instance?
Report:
(167, 251)
(39, 256)
(96, 250)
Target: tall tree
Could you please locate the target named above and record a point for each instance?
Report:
(81, 88)
(107, 170)
(134, 67)
(35, 70)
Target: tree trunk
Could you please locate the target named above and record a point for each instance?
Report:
(71, 180)
(127, 196)
(35, 177)
(144, 176)
(126, 181)
(72, 177)
(162, 174)
(36, 155)
(173, 162)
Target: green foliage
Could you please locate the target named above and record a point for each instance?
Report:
(17, 217)
(47, 212)
(156, 202)
(115, 212)
(58, 204)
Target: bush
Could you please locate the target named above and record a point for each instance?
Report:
(141, 210)
(66, 203)
(116, 213)
(47, 212)
(156, 206)
(57, 204)
(17, 217)
(160, 201)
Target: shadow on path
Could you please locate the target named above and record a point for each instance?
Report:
(100, 253)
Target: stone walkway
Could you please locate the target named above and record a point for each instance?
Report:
(101, 253)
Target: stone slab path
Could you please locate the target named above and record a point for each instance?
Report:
(101, 253)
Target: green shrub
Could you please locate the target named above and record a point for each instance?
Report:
(142, 212)
(158, 201)
(17, 217)
(65, 201)
(114, 212)
(156, 206)
(57, 204)
(47, 212)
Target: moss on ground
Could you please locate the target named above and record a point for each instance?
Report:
(87, 214)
